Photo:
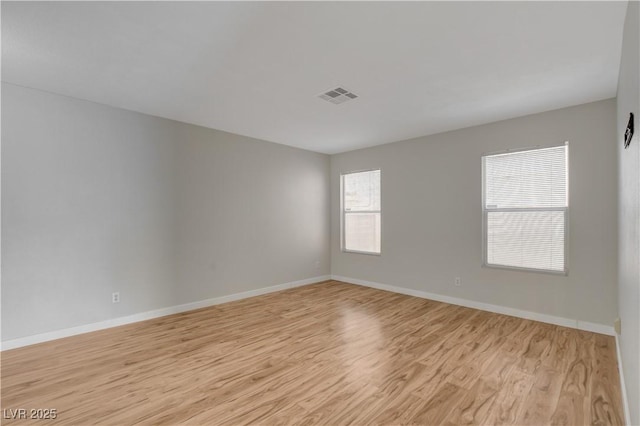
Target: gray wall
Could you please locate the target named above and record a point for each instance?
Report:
(251, 214)
(629, 210)
(97, 199)
(432, 225)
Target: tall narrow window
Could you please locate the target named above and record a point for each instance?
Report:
(525, 209)
(361, 213)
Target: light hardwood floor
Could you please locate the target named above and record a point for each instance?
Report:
(329, 353)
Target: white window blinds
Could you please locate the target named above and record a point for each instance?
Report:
(361, 214)
(525, 209)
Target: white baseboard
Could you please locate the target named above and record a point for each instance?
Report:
(625, 400)
(535, 316)
(58, 334)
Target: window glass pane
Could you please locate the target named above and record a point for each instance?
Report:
(536, 178)
(526, 239)
(362, 232)
(362, 191)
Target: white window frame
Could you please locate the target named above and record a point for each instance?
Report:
(485, 216)
(343, 214)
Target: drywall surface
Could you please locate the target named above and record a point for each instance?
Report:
(251, 214)
(432, 222)
(98, 199)
(628, 100)
(87, 210)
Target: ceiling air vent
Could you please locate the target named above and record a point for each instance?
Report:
(337, 95)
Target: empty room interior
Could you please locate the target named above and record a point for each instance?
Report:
(320, 213)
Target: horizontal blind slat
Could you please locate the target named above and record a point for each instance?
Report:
(361, 214)
(526, 197)
(536, 178)
(526, 239)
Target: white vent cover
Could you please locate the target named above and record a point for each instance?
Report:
(337, 95)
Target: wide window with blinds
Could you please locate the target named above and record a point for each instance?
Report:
(525, 209)
(361, 213)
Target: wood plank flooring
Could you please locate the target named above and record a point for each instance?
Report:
(328, 353)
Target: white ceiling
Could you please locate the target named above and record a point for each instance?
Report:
(256, 68)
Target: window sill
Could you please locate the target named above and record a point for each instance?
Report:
(515, 268)
(370, 253)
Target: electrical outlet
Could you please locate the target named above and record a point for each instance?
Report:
(457, 281)
(115, 297)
